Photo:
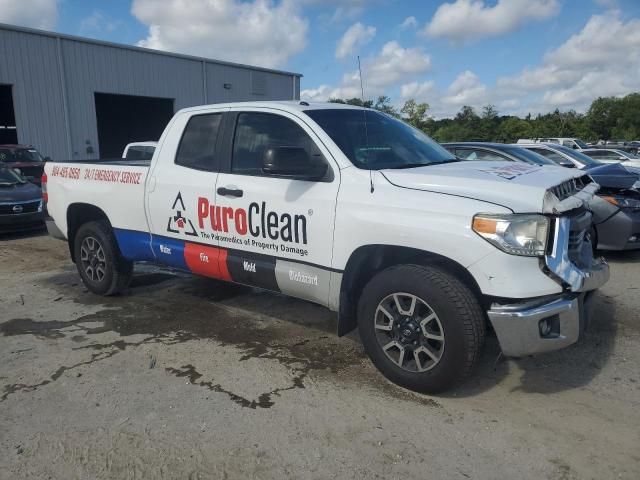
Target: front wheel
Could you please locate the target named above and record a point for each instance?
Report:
(421, 327)
(98, 259)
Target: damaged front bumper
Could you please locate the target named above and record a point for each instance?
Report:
(541, 325)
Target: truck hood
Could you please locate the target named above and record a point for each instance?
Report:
(517, 186)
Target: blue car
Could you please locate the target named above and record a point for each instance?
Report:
(20, 203)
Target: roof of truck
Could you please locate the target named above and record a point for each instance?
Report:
(291, 105)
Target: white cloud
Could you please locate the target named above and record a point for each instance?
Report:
(355, 37)
(29, 13)
(392, 65)
(258, 32)
(409, 22)
(419, 91)
(98, 22)
(603, 59)
(465, 20)
(466, 89)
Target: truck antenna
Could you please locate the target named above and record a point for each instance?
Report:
(364, 113)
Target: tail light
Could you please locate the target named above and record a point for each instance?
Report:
(43, 186)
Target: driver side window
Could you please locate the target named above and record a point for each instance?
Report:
(256, 132)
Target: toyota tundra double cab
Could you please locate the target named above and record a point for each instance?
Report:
(354, 210)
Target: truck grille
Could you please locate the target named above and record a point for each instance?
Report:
(19, 208)
(580, 248)
(570, 187)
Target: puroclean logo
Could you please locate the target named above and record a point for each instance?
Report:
(178, 222)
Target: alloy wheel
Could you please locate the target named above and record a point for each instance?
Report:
(409, 332)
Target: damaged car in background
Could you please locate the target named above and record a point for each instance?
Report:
(617, 214)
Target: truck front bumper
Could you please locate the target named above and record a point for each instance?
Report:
(542, 325)
(530, 326)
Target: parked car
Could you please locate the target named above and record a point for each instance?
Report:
(139, 150)
(610, 155)
(618, 222)
(561, 155)
(20, 203)
(616, 211)
(484, 151)
(352, 209)
(25, 159)
(569, 142)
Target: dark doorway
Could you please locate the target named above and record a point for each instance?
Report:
(8, 131)
(124, 119)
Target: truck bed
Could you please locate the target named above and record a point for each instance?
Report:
(115, 186)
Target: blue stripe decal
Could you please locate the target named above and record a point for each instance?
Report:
(169, 251)
(134, 245)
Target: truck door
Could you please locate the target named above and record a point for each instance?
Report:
(276, 231)
(185, 169)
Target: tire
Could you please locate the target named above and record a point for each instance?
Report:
(110, 273)
(455, 333)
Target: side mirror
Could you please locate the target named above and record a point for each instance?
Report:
(567, 164)
(47, 159)
(293, 162)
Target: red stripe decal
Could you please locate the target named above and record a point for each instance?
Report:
(208, 261)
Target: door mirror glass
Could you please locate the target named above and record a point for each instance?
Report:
(293, 162)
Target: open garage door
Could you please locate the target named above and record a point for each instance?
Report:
(124, 119)
(8, 131)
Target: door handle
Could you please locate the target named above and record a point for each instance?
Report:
(230, 192)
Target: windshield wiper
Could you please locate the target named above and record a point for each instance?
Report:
(416, 165)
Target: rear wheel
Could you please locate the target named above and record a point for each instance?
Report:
(421, 327)
(101, 266)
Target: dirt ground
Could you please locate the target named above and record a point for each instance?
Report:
(186, 377)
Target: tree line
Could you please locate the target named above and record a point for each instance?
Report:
(608, 118)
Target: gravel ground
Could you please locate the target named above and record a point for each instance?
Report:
(185, 377)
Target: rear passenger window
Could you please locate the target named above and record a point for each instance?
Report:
(255, 132)
(198, 144)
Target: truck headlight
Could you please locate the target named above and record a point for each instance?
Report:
(517, 234)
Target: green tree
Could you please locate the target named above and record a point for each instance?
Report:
(383, 104)
(415, 113)
(513, 128)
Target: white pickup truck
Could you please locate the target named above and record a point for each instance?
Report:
(354, 210)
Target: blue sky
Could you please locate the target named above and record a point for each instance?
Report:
(521, 55)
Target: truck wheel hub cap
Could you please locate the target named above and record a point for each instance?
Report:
(409, 332)
(93, 259)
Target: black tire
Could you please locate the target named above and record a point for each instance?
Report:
(459, 320)
(117, 271)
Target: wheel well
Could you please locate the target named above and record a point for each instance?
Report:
(368, 260)
(77, 215)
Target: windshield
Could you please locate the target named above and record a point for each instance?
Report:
(528, 156)
(9, 177)
(373, 141)
(11, 155)
(580, 143)
(580, 157)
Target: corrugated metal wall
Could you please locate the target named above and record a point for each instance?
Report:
(60, 121)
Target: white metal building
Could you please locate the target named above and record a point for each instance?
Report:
(77, 98)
